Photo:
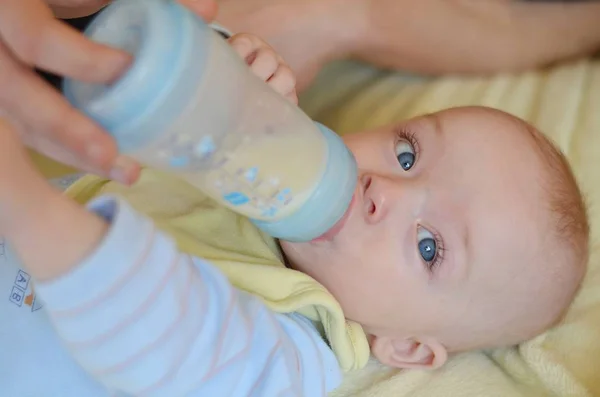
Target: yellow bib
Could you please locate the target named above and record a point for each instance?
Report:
(250, 259)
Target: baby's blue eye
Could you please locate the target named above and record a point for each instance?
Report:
(405, 153)
(427, 245)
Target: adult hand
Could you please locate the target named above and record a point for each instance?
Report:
(486, 36)
(424, 36)
(31, 37)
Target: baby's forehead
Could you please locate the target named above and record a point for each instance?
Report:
(512, 250)
(488, 143)
(487, 123)
(497, 166)
(500, 168)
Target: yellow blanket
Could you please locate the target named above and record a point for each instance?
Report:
(564, 102)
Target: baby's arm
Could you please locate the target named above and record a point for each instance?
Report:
(138, 315)
(147, 320)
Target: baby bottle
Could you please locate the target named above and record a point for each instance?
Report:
(189, 105)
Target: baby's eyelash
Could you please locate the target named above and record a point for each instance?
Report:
(439, 254)
(437, 261)
(405, 134)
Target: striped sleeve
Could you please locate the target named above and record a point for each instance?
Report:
(146, 320)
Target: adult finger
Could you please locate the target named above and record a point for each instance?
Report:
(36, 38)
(26, 97)
(43, 145)
(124, 169)
(78, 3)
(205, 9)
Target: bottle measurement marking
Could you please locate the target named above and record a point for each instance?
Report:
(233, 185)
(240, 186)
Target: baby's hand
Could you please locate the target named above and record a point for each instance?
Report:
(266, 64)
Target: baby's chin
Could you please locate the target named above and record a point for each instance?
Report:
(302, 256)
(290, 253)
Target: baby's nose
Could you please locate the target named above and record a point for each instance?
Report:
(383, 194)
(374, 201)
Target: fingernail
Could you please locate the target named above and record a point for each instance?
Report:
(124, 170)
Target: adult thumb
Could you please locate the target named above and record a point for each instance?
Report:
(205, 9)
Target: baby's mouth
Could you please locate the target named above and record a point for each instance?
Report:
(337, 228)
(359, 195)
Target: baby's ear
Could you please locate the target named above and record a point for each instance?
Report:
(422, 353)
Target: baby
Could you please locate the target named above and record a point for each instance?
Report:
(468, 231)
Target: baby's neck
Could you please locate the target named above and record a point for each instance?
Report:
(283, 256)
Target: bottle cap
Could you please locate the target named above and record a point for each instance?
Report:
(169, 46)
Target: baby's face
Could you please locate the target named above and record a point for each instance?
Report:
(446, 230)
